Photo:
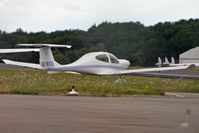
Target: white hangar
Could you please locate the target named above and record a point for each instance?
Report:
(190, 56)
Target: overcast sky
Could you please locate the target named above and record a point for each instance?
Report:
(51, 15)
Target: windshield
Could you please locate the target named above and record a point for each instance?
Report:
(102, 57)
(113, 59)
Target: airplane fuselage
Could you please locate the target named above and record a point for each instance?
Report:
(100, 63)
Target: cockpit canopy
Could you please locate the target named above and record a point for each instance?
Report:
(113, 59)
(107, 58)
(102, 57)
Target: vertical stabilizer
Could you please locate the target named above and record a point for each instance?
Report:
(46, 58)
(159, 64)
(173, 60)
(166, 61)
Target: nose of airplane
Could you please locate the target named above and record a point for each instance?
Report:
(124, 63)
(127, 63)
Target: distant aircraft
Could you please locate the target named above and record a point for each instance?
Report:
(173, 63)
(97, 63)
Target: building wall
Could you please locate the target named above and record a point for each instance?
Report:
(190, 56)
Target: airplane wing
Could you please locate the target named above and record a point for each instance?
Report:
(22, 64)
(168, 74)
(153, 69)
(18, 50)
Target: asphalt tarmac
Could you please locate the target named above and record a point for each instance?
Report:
(65, 114)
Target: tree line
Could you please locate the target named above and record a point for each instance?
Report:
(140, 44)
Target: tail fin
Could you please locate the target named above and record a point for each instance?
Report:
(166, 61)
(173, 60)
(159, 62)
(46, 57)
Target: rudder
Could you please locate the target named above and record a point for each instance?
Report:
(46, 58)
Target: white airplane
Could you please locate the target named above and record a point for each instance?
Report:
(167, 63)
(97, 63)
(173, 63)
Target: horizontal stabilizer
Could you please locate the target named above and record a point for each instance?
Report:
(45, 45)
(22, 64)
(2, 51)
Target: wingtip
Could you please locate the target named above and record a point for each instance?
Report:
(68, 46)
(6, 61)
